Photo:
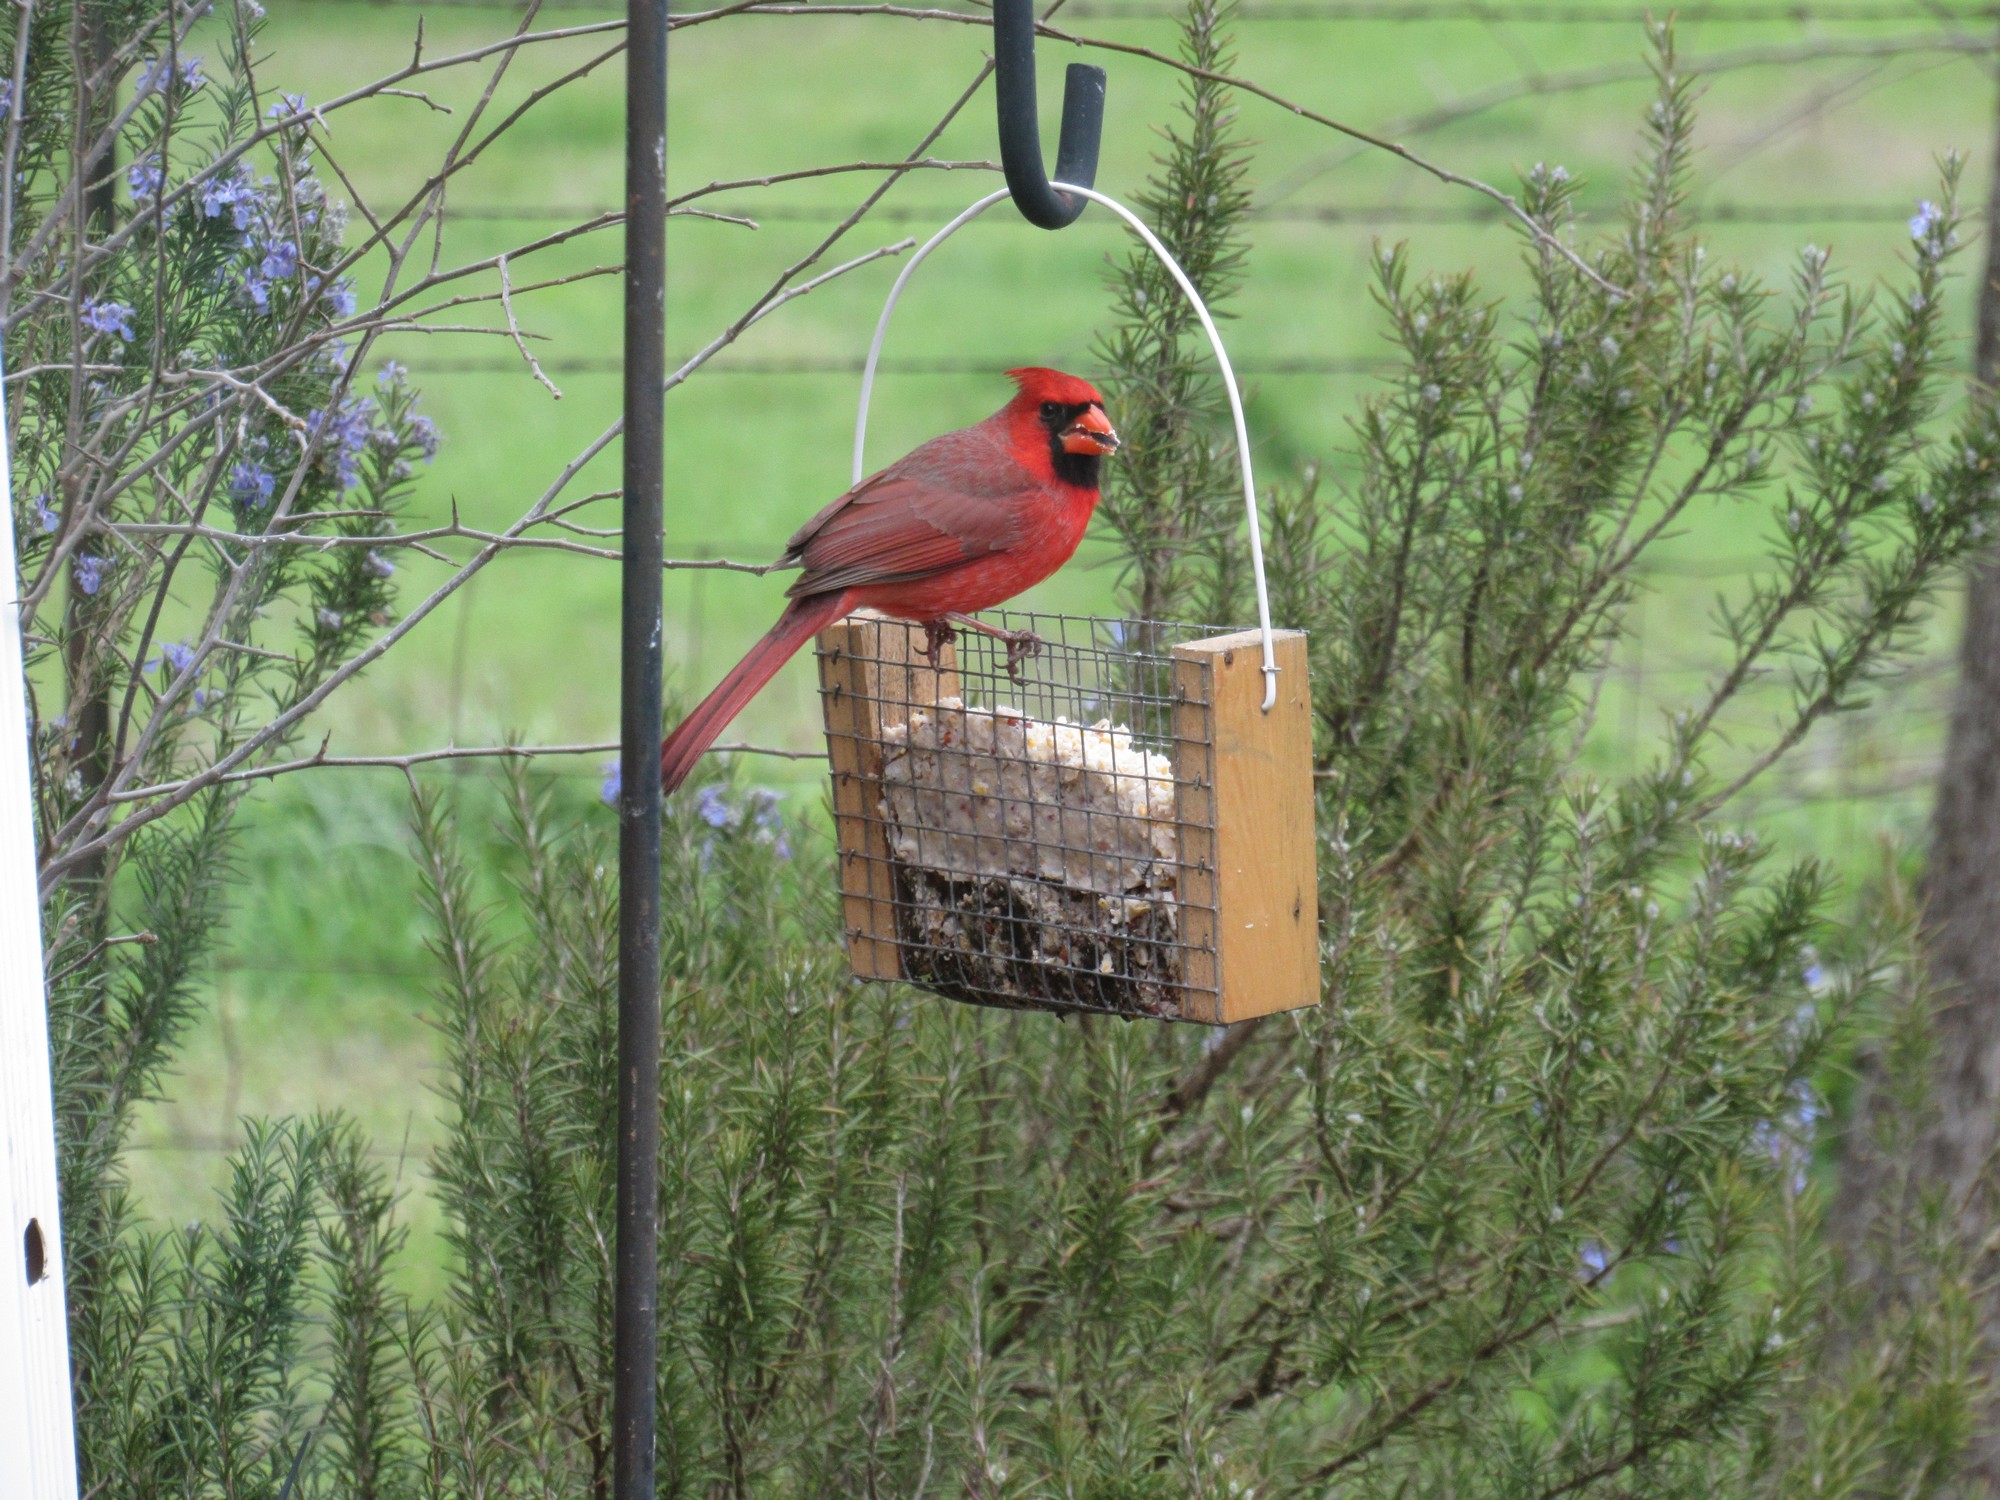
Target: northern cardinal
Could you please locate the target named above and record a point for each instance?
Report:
(965, 521)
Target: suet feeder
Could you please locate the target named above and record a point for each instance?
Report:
(1121, 824)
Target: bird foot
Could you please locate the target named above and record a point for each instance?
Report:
(1021, 644)
(937, 635)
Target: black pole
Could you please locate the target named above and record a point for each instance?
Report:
(635, 1352)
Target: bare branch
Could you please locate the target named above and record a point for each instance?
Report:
(1442, 173)
(86, 834)
(923, 164)
(321, 760)
(514, 327)
(1577, 80)
(252, 540)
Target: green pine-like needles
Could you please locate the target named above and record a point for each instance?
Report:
(1527, 1208)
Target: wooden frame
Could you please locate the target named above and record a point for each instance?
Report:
(869, 670)
(1249, 908)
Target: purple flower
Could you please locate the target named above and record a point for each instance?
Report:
(6, 98)
(144, 177)
(90, 571)
(338, 301)
(375, 565)
(175, 657)
(1926, 220)
(332, 358)
(711, 804)
(1594, 1257)
(330, 619)
(258, 290)
(234, 193)
(767, 816)
(288, 107)
(614, 784)
(251, 485)
(342, 437)
(391, 373)
(1788, 1141)
(48, 518)
(281, 260)
(1805, 1114)
(159, 75)
(424, 433)
(100, 316)
(760, 814)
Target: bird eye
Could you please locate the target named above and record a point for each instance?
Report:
(1049, 410)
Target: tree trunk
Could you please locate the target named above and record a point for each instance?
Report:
(1952, 1147)
(89, 703)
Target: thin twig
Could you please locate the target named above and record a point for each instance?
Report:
(1578, 80)
(514, 327)
(321, 760)
(251, 540)
(1442, 173)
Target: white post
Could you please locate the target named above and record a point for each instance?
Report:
(37, 1433)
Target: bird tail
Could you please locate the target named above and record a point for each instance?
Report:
(802, 619)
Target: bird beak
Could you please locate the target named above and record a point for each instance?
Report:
(1090, 433)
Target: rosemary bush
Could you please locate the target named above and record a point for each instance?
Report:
(202, 491)
(1525, 1209)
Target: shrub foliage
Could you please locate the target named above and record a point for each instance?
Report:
(1524, 1209)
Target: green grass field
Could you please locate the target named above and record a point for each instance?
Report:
(319, 997)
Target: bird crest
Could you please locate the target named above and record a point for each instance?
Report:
(1039, 384)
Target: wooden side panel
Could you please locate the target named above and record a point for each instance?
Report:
(872, 669)
(1263, 847)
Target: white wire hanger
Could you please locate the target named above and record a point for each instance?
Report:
(1180, 276)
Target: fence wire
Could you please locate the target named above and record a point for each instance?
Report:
(1876, 764)
(1471, 214)
(1394, 12)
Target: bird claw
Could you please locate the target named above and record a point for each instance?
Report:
(1021, 644)
(937, 635)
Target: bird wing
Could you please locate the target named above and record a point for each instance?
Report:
(955, 498)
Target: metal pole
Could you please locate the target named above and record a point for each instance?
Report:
(635, 1351)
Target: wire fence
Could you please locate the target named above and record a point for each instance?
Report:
(1409, 12)
(1806, 213)
(1876, 765)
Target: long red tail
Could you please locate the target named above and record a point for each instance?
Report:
(801, 621)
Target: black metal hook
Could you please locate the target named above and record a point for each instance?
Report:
(1020, 126)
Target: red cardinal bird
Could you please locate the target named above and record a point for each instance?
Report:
(966, 521)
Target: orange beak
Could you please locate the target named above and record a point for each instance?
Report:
(1090, 433)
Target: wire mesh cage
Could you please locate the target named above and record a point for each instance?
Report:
(1117, 825)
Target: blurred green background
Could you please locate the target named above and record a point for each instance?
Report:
(319, 997)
